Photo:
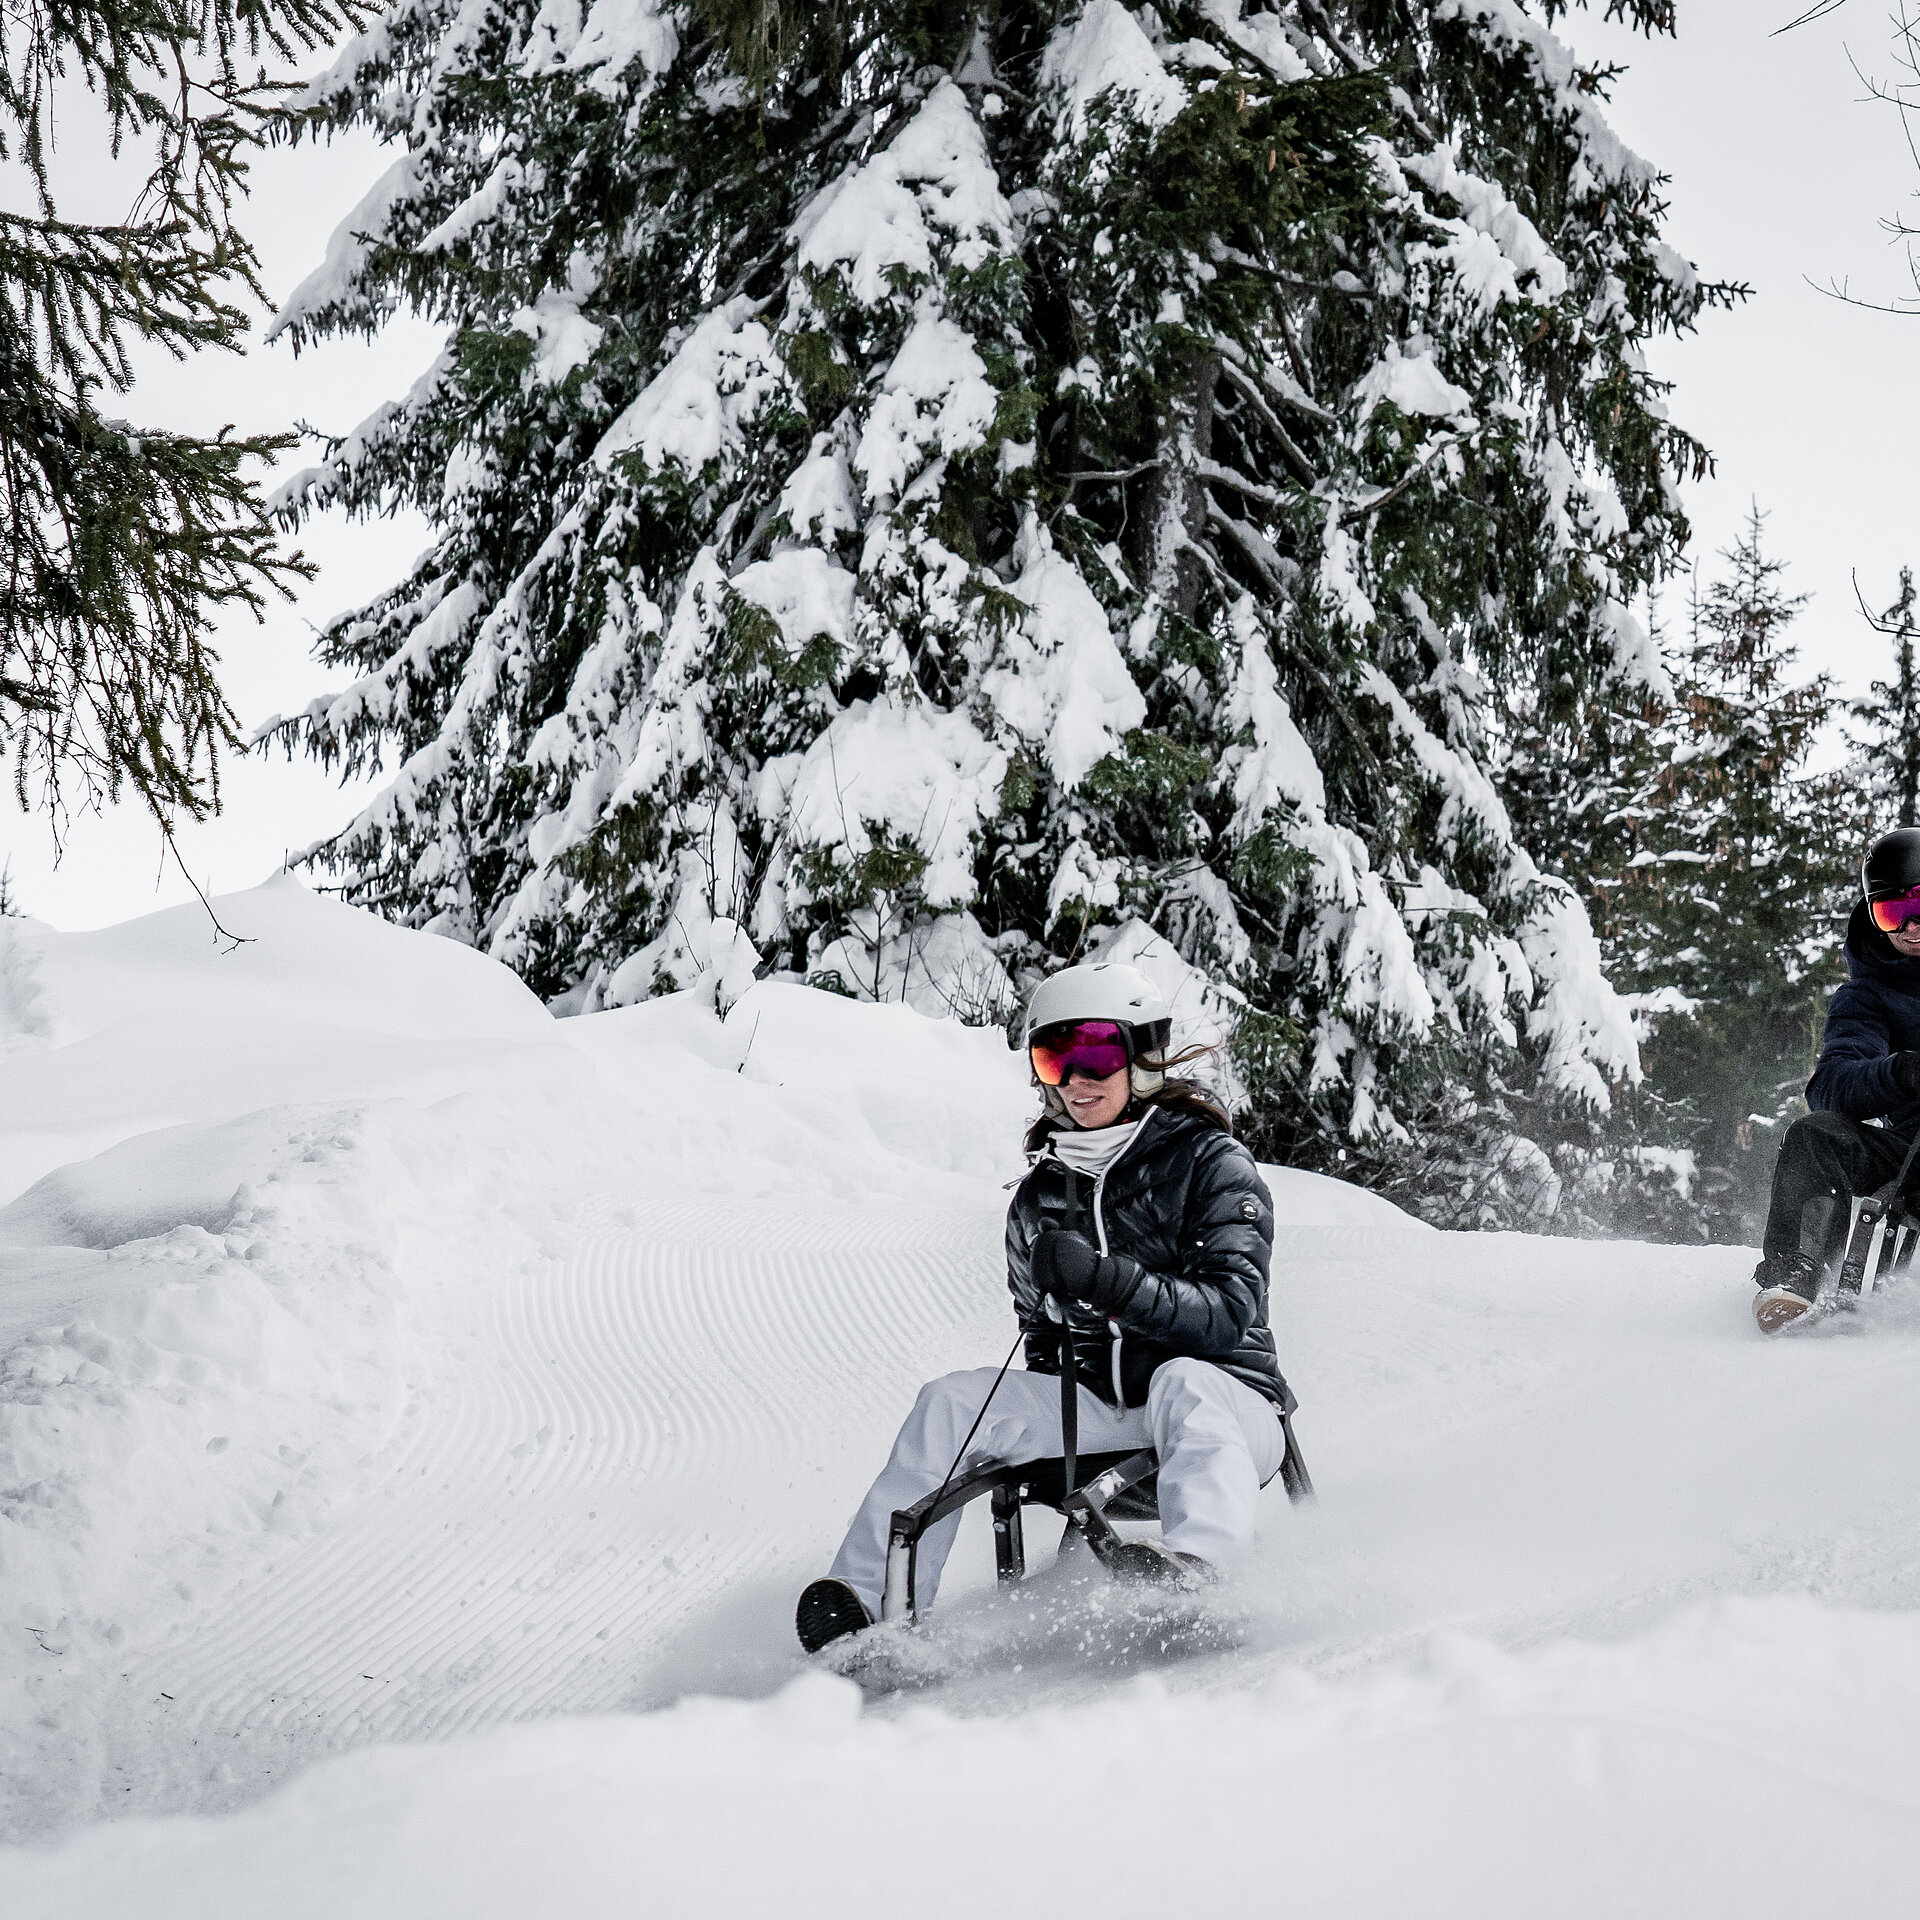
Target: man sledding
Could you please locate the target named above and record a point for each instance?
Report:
(1864, 1094)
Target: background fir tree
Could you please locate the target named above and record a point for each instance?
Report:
(1585, 786)
(1886, 733)
(927, 491)
(1729, 921)
(116, 542)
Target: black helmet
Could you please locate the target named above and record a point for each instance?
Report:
(1892, 865)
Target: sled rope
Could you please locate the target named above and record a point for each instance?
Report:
(981, 1415)
(1069, 1407)
(1069, 1402)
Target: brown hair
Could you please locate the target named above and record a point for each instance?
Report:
(1191, 1098)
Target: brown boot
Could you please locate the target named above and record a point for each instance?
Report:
(1788, 1289)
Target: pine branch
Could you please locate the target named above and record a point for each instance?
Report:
(1366, 508)
(1252, 545)
(1226, 477)
(116, 545)
(1289, 451)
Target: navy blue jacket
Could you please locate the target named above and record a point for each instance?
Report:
(1875, 1015)
(1187, 1202)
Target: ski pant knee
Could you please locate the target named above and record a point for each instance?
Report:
(1829, 1141)
(1022, 1423)
(968, 1387)
(1219, 1442)
(1824, 1154)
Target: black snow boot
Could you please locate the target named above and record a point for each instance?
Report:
(1788, 1286)
(829, 1610)
(1150, 1564)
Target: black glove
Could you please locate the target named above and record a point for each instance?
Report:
(1070, 1267)
(1906, 1073)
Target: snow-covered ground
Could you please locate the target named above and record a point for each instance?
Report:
(397, 1379)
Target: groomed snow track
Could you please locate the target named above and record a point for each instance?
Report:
(623, 1437)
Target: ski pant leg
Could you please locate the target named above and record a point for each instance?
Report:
(1219, 1443)
(1826, 1153)
(1022, 1423)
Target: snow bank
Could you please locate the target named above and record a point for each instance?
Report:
(315, 1150)
(149, 1024)
(1570, 1779)
(1309, 1200)
(408, 1365)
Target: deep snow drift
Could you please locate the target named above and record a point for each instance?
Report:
(383, 1360)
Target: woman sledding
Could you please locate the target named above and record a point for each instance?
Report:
(1143, 1231)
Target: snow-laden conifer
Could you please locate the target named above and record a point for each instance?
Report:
(119, 544)
(919, 488)
(1886, 730)
(1728, 902)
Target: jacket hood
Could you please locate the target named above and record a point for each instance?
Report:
(1870, 954)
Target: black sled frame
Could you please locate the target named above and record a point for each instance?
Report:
(1113, 1486)
(1881, 1241)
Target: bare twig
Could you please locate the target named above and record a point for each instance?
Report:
(1818, 11)
(235, 941)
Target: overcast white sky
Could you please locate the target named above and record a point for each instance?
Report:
(1781, 177)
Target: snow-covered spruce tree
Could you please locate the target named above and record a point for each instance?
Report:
(1584, 787)
(1732, 906)
(1886, 733)
(928, 490)
(118, 544)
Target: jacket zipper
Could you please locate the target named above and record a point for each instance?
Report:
(1100, 1229)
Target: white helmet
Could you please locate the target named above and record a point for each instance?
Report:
(1107, 990)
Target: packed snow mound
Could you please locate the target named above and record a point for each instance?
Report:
(192, 1176)
(291, 954)
(160, 1021)
(1311, 1200)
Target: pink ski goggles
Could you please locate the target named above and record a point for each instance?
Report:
(1094, 1047)
(1891, 914)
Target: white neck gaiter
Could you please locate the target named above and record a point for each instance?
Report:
(1091, 1152)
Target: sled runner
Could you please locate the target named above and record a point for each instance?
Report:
(1871, 1254)
(1108, 1487)
(1881, 1240)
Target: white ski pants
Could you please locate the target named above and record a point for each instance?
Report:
(1219, 1443)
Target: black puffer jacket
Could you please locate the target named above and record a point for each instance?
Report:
(1185, 1200)
(1875, 1015)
